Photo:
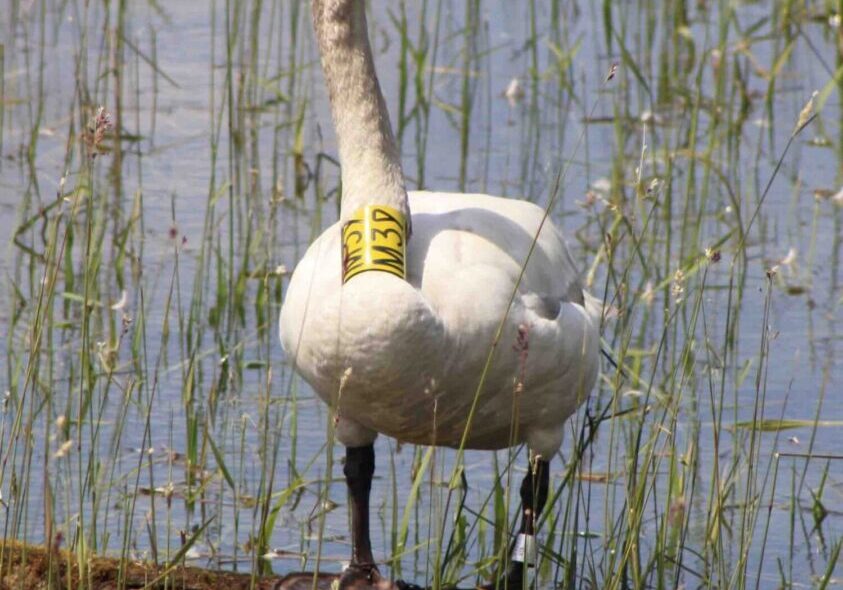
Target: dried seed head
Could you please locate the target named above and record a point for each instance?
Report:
(64, 449)
(712, 255)
(93, 136)
(522, 339)
(345, 377)
(654, 187)
(805, 114)
(678, 287)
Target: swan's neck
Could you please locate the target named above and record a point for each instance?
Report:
(371, 166)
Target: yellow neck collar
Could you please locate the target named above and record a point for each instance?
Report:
(375, 238)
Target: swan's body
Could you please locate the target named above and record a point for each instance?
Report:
(405, 355)
(416, 349)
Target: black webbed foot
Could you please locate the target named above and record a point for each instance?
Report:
(360, 576)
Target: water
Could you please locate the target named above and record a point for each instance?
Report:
(245, 190)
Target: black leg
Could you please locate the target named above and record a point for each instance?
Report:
(359, 469)
(534, 489)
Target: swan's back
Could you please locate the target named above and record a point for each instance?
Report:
(499, 232)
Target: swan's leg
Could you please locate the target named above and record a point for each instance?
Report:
(534, 489)
(359, 469)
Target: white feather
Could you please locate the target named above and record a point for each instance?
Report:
(416, 349)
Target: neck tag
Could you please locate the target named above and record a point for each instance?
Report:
(375, 238)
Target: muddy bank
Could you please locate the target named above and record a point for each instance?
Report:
(34, 567)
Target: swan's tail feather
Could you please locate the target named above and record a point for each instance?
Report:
(595, 308)
(599, 312)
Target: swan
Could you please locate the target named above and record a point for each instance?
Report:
(391, 314)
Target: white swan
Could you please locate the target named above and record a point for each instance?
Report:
(404, 356)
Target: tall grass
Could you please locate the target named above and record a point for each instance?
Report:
(149, 413)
